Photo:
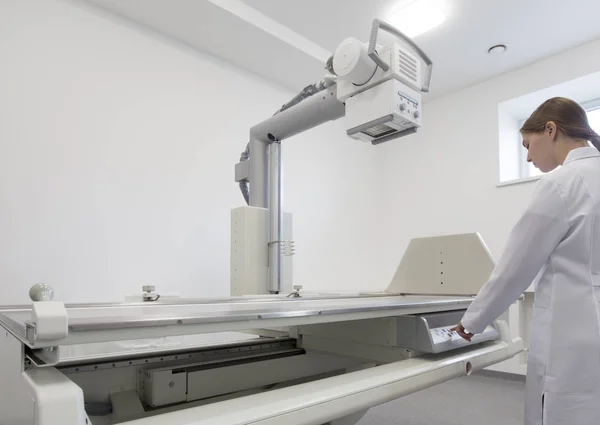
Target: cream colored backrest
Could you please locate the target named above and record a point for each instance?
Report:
(443, 265)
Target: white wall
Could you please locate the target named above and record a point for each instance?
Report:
(117, 151)
(443, 179)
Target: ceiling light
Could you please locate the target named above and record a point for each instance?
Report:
(418, 16)
(497, 50)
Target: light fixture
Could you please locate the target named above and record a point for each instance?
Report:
(416, 17)
(497, 50)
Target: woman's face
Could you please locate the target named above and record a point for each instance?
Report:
(540, 149)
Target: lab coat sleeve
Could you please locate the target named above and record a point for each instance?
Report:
(531, 242)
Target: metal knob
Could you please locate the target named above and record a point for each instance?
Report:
(416, 114)
(149, 294)
(402, 107)
(41, 292)
(296, 293)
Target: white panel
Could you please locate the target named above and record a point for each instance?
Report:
(382, 332)
(249, 251)
(56, 398)
(16, 406)
(356, 350)
(443, 265)
(427, 334)
(50, 318)
(249, 254)
(213, 382)
(163, 387)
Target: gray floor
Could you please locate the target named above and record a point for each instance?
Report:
(471, 400)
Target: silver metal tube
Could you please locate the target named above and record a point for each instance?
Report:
(311, 112)
(259, 176)
(265, 164)
(275, 219)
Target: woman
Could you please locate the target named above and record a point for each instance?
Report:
(558, 240)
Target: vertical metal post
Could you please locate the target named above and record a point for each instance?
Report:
(275, 218)
(265, 171)
(259, 168)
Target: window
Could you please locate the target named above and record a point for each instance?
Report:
(594, 118)
(593, 112)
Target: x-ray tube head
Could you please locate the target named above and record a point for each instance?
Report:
(385, 112)
(352, 62)
(381, 85)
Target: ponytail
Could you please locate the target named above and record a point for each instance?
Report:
(569, 117)
(595, 139)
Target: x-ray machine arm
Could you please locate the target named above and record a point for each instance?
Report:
(378, 89)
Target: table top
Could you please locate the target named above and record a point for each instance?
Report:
(106, 322)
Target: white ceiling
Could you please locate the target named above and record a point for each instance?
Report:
(286, 40)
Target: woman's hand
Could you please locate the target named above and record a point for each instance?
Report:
(460, 330)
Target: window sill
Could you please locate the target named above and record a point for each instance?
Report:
(519, 181)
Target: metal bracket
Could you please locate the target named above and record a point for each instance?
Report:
(296, 293)
(242, 171)
(378, 24)
(43, 357)
(149, 294)
(288, 248)
(49, 321)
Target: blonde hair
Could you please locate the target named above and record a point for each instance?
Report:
(570, 118)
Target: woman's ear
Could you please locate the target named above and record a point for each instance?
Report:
(551, 129)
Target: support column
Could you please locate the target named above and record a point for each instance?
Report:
(275, 219)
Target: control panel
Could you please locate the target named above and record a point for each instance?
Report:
(409, 104)
(430, 333)
(444, 340)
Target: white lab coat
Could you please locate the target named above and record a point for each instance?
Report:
(558, 240)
